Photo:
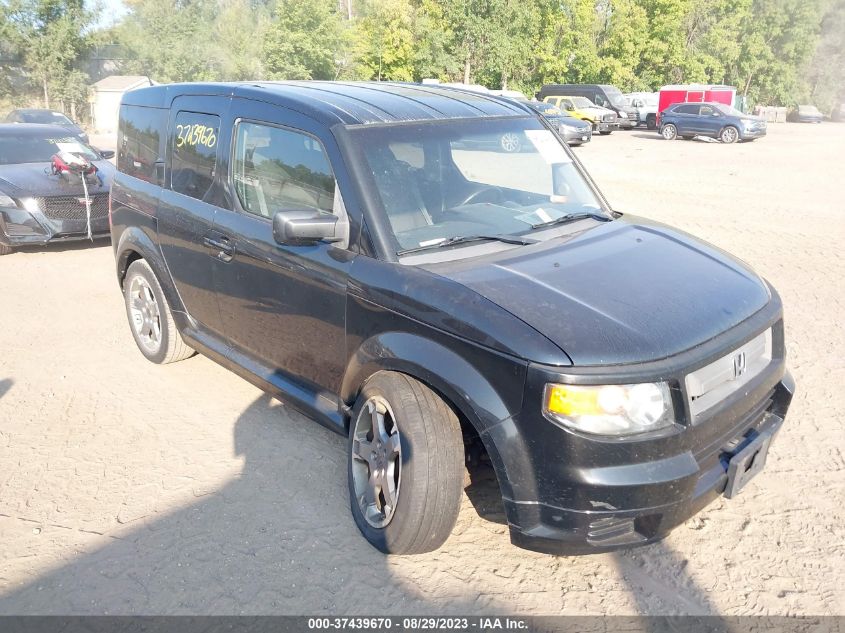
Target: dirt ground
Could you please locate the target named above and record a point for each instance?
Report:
(127, 488)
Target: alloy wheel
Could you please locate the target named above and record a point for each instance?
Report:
(376, 462)
(510, 142)
(729, 135)
(145, 313)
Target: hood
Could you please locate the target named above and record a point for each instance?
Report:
(626, 291)
(598, 110)
(25, 180)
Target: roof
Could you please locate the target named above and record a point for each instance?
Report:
(348, 103)
(697, 87)
(32, 110)
(33, 129)
(119, 83)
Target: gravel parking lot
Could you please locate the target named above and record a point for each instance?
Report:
(127, 488)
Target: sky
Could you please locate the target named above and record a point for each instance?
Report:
(112, 11)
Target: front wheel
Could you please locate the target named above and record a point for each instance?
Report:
(405, 465)
(651, 122)
(149, 316)
(669, 132)
(606, 132)
(5, 249)
(729, 135)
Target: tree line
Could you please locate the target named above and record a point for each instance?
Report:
(776, 52)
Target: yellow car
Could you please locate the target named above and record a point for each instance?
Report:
(602, 119)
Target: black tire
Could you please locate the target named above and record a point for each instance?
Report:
(669, 132)
(651, 122)
(729, 134)
(687, 137)
(5, 249)
(429, 481)
(606, 133)
(168, 346)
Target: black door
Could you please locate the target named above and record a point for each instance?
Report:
(282, 306)
(189, 203)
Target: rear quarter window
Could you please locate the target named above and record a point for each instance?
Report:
(138, 140)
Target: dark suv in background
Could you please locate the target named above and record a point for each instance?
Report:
(715, 120)
(361, 252)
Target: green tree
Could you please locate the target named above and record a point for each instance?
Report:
(171, 42)
(307, 40)
(386, 40)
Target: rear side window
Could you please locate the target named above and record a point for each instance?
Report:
(194, 143)
(686, 109)
(275, 169)
(138, 137)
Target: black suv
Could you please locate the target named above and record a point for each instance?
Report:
(359, 251)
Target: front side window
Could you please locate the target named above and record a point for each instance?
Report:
(276, 169)
(473, 177)
(194, 142)
(707, 110)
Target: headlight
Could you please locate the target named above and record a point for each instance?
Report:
(568, 129)
(610, 409)
(622, 115)
(6, 201)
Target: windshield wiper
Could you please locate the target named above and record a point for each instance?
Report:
(463, 239)
(572, 217)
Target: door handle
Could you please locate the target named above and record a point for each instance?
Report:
(224, 247)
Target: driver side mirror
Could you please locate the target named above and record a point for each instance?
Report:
(305, 226)
(106, 153)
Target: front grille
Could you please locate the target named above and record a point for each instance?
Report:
(73, 207)
(713, 383)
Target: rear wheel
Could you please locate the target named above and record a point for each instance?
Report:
(651, 122)
(669, 132)
(729, 135)
(405, 465)
(605, 133)
(149, 317)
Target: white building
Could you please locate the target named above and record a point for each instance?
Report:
(105, 100)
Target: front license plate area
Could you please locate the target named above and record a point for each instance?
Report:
(749, 461)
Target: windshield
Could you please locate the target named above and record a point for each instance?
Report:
(26, 148)
(472, 177)
(547, 108)
(582, 102)
(726, 109)
(615, 97)
(54, 118)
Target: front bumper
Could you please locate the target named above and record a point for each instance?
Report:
(576, 137)
(569, 493)
(605, 126)
(21, 227)
(752, 133)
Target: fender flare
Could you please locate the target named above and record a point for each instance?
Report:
(455, 379)
(135, 243)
